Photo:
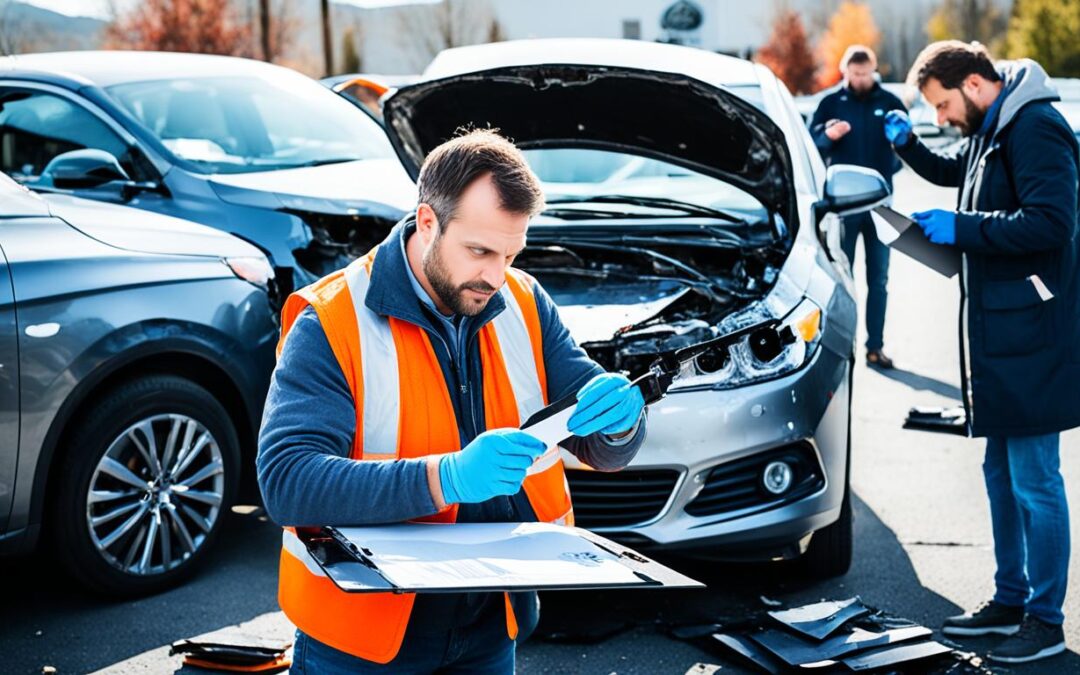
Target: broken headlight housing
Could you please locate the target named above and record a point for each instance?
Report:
(740, 364)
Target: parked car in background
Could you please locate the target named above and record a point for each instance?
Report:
(1069, 105)
(250, 148)
(367, 91)
(659, 235)
(135, 354)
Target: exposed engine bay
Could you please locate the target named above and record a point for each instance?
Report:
(627, 297)
(336, 240)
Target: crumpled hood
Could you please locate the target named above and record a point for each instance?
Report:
(1025, 81)
(535, 93)
(377, 187)
(134, 229)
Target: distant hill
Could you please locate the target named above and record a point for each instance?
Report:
(26, 28)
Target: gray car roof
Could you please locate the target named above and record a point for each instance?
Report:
(106, 68)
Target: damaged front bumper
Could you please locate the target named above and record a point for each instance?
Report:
(695, 485)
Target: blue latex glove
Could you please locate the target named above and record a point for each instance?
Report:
(897, 127)
(607, 403)
(493, 464)
(938, 225)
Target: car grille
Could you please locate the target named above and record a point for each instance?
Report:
(619, 499)
(735, 486)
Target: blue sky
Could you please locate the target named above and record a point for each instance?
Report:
(100, 8)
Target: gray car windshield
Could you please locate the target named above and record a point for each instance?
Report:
(595, 180)
(252, 123)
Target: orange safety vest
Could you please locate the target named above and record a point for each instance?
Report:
(411, 416)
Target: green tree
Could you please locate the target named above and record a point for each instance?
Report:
(1047, 31)
(969, 20)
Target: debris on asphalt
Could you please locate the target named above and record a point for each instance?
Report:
(703, 669)
(229, 650)
(769, 602)
(821, 619)
(842, 636)
(938, 419)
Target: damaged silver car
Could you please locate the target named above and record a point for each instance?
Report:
(685, 199)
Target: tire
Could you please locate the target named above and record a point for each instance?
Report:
(134, 540)
(830, 551)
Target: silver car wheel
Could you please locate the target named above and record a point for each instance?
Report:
(155, 494)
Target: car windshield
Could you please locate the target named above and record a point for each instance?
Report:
(253, 123)
(614, 181)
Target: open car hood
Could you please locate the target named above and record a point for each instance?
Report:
(659, 101)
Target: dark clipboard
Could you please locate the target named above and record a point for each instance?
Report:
(351, 569)
(945, 260)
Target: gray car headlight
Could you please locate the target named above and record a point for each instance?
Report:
(740, 366)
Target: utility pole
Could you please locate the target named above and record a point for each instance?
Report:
(328, 47)
(264, 30)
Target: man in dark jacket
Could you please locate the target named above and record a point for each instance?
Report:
(1016, 226)
(847, 129)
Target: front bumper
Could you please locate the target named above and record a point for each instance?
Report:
(691, 433)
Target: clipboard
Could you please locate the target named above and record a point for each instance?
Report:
(369, 559)
(945, 260)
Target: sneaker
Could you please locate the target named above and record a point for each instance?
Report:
(1035, 640)
(991, 618)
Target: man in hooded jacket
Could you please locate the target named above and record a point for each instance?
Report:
(1016, 227)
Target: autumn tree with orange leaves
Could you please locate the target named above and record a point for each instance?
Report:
(788, 53)
(852, 24)
(200, 26)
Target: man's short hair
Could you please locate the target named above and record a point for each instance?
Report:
(950, 62)
(451, 167)
(857, 54)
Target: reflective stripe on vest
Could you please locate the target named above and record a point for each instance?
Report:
(398, 387)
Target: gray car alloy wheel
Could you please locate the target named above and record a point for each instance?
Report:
(155, 494)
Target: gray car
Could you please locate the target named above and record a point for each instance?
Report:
(135, 353)
(685, 199)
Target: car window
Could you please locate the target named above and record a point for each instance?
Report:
(579, 173)
(240, 124)
(37, 126)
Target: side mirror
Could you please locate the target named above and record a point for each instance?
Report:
(851, 189)
(78, 169)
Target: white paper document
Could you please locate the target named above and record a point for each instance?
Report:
(476, 555)
(552, 430)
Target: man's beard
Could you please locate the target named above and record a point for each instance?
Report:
(452, 296)
(973, 117)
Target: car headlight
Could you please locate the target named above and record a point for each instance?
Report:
(743, 364)
(253, 269)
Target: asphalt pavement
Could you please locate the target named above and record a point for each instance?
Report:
(923, 546)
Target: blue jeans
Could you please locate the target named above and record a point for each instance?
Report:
(483, 647)
(1030, 518)
(877, 274)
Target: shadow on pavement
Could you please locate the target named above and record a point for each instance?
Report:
(882, 574)
(921, 382)
(48, 620)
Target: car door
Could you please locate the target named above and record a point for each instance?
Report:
(9, 388)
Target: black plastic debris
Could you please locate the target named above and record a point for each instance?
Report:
(797, 651)
(938, 419)
(750, 652)
(891, 656)
(855, 638)
(229, 650)
(821, 619)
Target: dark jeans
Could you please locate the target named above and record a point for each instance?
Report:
(482, 647)
(1031, 523)
(877, 274)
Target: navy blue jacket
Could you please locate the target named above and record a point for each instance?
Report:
(865, 145)
(1018, 180)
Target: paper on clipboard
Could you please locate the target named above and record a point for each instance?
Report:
(476, 555)
(944, 260)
